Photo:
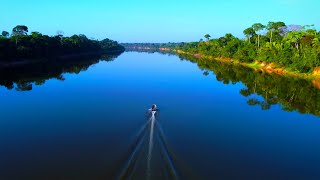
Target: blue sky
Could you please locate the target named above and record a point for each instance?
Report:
(153, 21)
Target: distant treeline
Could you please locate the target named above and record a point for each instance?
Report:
(295, 47)
(21, 45)
(149, 45)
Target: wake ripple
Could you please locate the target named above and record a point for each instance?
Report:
(149, 155)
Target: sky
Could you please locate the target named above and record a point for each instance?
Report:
(153, 20)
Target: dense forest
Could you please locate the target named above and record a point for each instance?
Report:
(20, 45)
(157, 46)
(295, 47)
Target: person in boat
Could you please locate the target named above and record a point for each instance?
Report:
(153, 109)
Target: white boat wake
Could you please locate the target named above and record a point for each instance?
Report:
(149, 157)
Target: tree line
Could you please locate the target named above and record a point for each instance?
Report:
(292, 46)
(156, 46)
(21, 45)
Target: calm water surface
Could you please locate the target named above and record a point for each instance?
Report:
(93, 125)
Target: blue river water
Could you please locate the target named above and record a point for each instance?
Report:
(93, 125)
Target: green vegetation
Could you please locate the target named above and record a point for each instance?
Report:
(20, 45)
(155, 46)
(150, 51)
(294, 47)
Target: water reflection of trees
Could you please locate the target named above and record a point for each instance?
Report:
(24, 77)
(264, 90)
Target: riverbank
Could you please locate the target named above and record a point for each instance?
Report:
(264, 67)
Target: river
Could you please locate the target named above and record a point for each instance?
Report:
(88, 119)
